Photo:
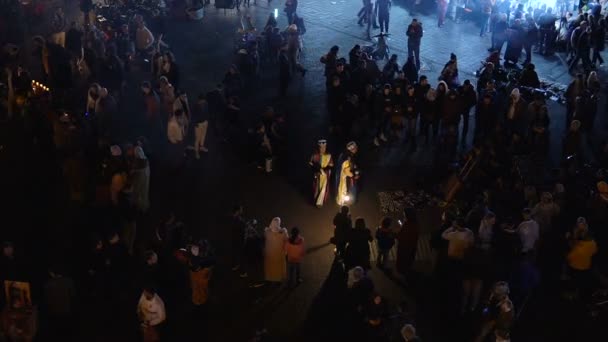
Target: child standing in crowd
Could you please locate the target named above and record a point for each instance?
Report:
(295, 249)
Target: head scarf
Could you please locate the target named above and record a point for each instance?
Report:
(139, 153)
(515, 94)
(575, 125)
(275, 224)
(115, 151)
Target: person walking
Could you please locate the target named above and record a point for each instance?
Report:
(460, 239)
(528, 231)
(321, 163)
(342, 227)
(385, 241)
(294, 46)
(295, 250)
(484, 17)
(200, 121)
(275, 268)
(291, 6)
(547, 32)
(58, 27)
(200, 274)
(237, 236)
(580, 257)
(499, 34)
(357, 250)
(598, 41)
(530, 39)
(383, 7)
(140, 180)
(365, 16)
(581, 43)
(414, 36)
(177, 127)
(407, 242)
(468, 100)
(442, 8)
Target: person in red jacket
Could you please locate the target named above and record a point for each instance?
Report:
(295, 250)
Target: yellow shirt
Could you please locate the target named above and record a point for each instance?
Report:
(579, 257)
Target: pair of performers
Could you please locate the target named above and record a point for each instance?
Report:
(346, 174)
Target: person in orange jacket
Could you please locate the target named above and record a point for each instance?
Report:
(295, 250)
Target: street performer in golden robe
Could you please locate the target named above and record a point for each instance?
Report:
(321, 163)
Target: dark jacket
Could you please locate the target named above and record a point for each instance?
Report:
(529, 78)
(357, 251)
(414, 34)
(343, 226)
(410, 71)
(385, 239)
(451, 111)
(410, 106)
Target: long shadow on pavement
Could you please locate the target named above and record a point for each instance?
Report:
(329, 316)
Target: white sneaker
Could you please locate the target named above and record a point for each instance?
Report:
(376, 142)
(204, 149)
(383, 138)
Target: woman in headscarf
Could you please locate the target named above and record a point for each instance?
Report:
(293, 49)
(140, 180)
(275, 267)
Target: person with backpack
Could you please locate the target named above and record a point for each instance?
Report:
(385, 241)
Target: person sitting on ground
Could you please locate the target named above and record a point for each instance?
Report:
(529, 77)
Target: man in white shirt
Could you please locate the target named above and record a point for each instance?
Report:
(144, 39)
(176, 127)
(528, 231)
(460, 239)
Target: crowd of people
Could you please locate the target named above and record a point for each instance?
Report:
(507, 224)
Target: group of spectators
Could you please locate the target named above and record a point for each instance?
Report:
(522, 229)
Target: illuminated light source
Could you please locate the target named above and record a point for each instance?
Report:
(346, 198)
(37, 86)
(276, 13)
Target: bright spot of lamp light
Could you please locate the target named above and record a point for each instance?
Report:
(346, 198)
(276, 13)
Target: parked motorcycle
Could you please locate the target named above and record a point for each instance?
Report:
(380, 49)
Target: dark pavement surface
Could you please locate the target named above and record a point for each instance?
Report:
(206, 190)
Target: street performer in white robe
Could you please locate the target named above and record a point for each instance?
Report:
(321, 163)
(347, 175)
